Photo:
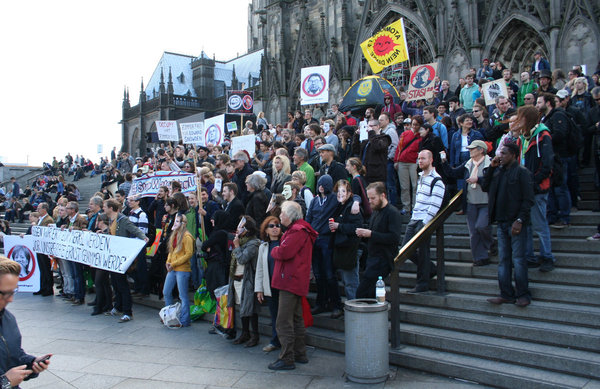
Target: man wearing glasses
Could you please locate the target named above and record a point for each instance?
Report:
(15, 365)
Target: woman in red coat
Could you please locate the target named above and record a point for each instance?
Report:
(291, 276)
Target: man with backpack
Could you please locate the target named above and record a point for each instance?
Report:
(558, 123)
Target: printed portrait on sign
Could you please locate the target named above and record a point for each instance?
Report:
(22, 256)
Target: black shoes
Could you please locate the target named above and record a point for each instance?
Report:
(418, 289)
(500, 300)
(547, 265)
(483, 262)
(78, 302)
(281, 365)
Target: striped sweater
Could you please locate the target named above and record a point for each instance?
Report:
(427, 206)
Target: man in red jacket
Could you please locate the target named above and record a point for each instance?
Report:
(291, 276)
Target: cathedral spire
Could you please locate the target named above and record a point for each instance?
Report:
(161, 85)
(170, 83)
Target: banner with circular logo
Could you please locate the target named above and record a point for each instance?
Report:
(314, 85)
(215, 130)
(21, 251)
(240, 101)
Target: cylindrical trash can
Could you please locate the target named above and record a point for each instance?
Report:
(367, 347)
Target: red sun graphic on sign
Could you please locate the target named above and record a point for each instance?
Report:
(383, 45)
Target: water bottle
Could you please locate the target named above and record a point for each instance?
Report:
(380, 291)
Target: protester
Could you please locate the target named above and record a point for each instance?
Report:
(181, 248)
(510, 207)
(291, 275)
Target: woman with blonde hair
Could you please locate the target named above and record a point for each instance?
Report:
(260, 119)
(179, 269)
(281, 173)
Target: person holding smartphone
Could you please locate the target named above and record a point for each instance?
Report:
(15, 365)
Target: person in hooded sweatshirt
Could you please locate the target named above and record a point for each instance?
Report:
(321, 209)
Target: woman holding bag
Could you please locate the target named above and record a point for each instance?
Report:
(179, 270)
(243, 269)
(359, 184)
(344, 242)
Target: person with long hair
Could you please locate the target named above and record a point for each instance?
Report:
(281, 173)
(344, 242)
(359, 184)
(180, 248)
(243, 269)
(270, 234)
(207, 179)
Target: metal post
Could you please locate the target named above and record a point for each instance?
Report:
(441, 272)
(395, 308)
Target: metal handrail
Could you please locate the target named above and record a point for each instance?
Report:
(36, 173)
(435, 225)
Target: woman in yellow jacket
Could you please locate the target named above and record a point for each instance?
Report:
(181, 248)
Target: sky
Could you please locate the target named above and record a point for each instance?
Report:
(65, 63)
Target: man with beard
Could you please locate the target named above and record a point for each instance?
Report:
(383, 237)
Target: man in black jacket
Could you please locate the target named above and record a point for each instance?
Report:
(384, 236)
(15, 365)
(373, 152)
(510, 191)
(330, 166)
(557, 122)
(233, 205)
(243, 169)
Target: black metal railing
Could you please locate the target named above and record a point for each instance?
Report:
(435, 225)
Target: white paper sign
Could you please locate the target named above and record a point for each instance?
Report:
(314, 85)
(214, 130)
(107, 252)
(364, 131)
(493, 89)
(192, 133)
(231, 126)
(167, 130)
(218, 184)
(244, 142)
(421, 85)
(21, 251)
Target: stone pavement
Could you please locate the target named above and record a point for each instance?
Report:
(97, 352)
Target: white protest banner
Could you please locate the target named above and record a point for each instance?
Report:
(493, 89)
(167, 130)
(21, 251)
(364, 131)
(214, 130)
(231, 126)
(107, 252)
(422, 82)
(314, 87)
(148, 185)
(244, 142)
(192, 133)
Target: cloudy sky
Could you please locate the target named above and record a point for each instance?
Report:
(65, 63)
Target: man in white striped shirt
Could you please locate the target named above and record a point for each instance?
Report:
(430, 193)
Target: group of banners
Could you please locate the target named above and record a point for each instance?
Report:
(101, 251)
(209, 132)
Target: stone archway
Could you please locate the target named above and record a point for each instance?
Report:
(580, 45)
(515, 45)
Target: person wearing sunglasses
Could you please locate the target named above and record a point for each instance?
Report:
(270, 234)
(15, 365)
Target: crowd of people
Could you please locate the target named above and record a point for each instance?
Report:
(316, 200)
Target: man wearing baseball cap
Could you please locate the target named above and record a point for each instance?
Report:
(329, 165)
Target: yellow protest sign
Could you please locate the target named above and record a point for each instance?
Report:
(387, 47)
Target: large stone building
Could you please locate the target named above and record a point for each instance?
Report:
(184, 88)
(456, 33)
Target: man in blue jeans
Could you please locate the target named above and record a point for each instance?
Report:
(510, 189)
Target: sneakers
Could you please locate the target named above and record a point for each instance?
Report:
(594, 237)
(125, 319)
(270, 347)
(112, 312)
(559, 225)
